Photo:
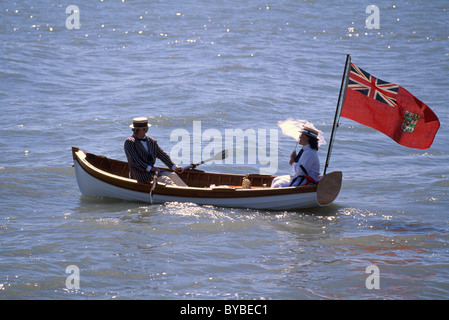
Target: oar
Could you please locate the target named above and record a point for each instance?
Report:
(219, 156)
(154, 185)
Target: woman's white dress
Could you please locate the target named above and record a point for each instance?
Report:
(309, 161)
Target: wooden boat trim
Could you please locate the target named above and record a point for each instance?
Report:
(195, 192)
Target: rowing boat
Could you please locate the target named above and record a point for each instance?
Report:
(102, 177)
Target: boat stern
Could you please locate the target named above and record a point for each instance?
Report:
(328, 188)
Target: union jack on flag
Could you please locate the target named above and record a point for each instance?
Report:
(372, 87)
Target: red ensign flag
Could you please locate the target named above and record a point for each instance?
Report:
(389, 109)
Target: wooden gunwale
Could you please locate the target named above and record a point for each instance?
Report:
(96, 166)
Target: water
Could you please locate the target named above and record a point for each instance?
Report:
(239, 64)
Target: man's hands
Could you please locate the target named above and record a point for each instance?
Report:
(179, 169)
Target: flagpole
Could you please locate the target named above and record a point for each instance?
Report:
(340, 102)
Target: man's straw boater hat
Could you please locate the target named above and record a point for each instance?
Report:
(310, 132)
(140, 123)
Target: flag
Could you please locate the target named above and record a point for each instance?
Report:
(389, 109)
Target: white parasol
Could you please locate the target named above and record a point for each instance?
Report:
(292, 128)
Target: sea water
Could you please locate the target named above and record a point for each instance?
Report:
(76, 76)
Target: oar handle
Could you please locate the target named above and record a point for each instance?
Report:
(193, 165)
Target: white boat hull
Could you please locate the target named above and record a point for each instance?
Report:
(95, 188)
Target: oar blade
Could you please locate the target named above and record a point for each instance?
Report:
(221, 155)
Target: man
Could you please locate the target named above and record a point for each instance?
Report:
(142, 152)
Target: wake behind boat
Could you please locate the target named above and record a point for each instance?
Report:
(102, 177)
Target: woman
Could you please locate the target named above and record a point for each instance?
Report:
(305, 164)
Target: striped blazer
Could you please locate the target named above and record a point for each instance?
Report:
(139, 159)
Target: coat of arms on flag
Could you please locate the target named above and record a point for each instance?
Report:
(410, 121)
